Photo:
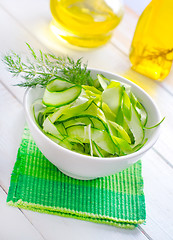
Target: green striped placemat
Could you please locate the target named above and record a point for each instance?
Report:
(36, 184)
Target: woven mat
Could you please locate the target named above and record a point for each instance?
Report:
(36, 184)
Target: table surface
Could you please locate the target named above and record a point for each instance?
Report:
(28, 21)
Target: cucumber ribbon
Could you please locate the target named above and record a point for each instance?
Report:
(104, 120)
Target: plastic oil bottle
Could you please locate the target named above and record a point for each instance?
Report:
(151, 51)
(85, 23)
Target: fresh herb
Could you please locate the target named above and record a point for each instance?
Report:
(42, 68)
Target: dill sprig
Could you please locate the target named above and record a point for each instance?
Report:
(42, 68)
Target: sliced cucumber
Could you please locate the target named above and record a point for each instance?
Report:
(85, 120)
(50, 128)
(57, 114)
(126, 106)
(78, 132)
(94, 110)
(75, 110)
(78, 120)
(114, 84)
(101, 138)
(95, 97)
(108, 112)
(139, 108)
(88, 128)
(123, 145)
(49, 110)
(58, 84)
(104, 82)
(91, 89)
(78, 148)
(53, 138)
(98, 152)
(118, 130)
(60, 127)
(41, 118)
(88, 108)
(112, 97)
(136, 127)
(104, 141)
(62, 98)
(104, 123)
(66, 144)
(97, 122)
(74, 141)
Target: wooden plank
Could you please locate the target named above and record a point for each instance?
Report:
(66, 228)
(17, 38)
(158, 178)
(137, 6)
(123, 34)
(13, 224)
(11, 128)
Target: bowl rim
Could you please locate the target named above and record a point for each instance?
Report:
(140, 152)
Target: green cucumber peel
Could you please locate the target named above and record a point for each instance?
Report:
(156, 125)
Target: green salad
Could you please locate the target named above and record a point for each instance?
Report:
(97, 117)
(103, 120)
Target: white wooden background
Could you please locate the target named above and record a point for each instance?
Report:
(27, 21)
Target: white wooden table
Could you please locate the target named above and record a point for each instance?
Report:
(27, 21)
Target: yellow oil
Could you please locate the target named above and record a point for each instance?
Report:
(152, 46)
(85, 23)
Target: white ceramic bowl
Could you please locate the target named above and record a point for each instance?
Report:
(86, 167)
